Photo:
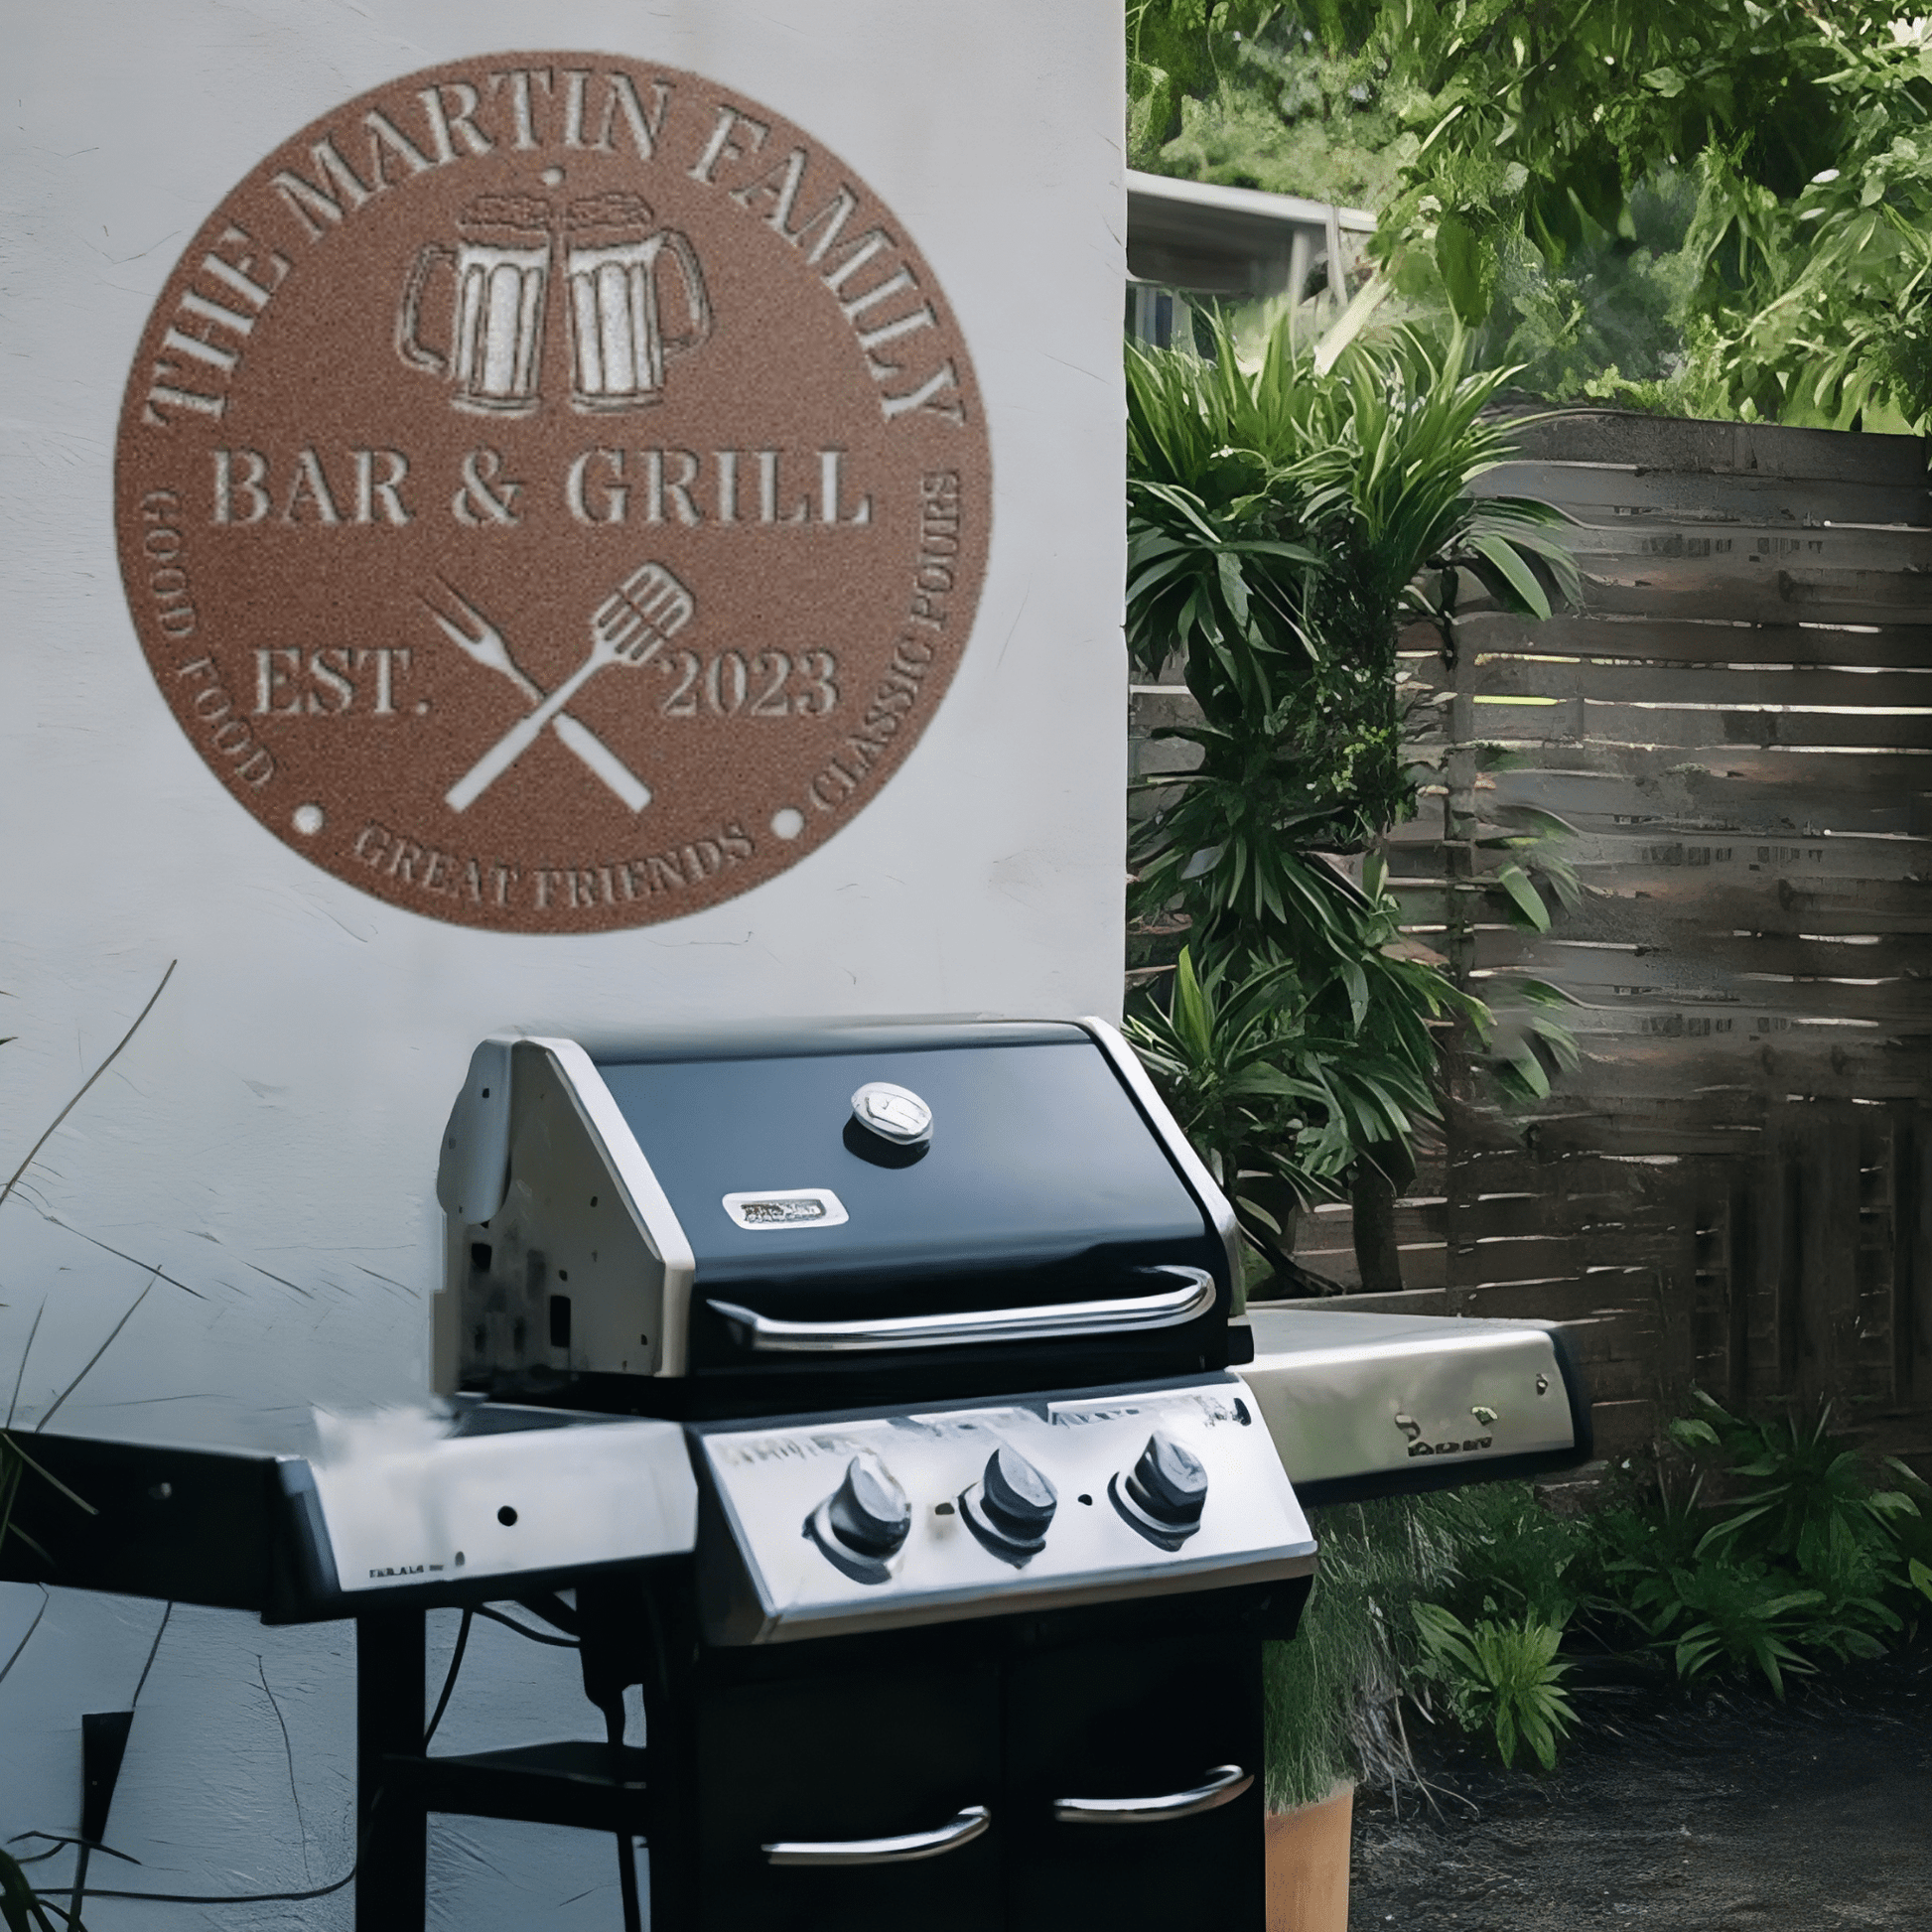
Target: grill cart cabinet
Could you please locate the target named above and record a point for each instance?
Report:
(914, 1740)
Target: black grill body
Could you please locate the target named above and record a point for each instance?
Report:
(863, 1388)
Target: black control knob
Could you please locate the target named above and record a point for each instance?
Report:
(864, 1522)
(1011, 1507)
(868, 1512)
(1166, 1492)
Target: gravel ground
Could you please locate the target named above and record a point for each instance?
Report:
(1717, 1810)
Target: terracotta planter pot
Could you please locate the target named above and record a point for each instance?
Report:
(1308, 1866)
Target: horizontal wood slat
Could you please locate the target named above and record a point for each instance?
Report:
(1679, 641)
(1700, 727)
(1619, 438)
(1793, 591)
(1720, 688)
(1625, 495)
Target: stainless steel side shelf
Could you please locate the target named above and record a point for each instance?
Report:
(1378, 1404)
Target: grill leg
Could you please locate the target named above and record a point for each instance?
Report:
(671, 1729)
(393, 1873)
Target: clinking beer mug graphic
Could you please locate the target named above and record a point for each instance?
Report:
(613, 260)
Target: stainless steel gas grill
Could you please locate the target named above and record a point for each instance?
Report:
(867, 1395)
(988, 1536)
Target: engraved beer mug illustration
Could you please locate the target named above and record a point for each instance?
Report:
(502, 269)
(614, 263)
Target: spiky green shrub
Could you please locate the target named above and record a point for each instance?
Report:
(1500, 1676)
(1282, 521)
(1810, 1560)
(1515, 1556)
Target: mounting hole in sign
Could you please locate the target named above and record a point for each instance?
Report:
(787, 823)
(309, 820)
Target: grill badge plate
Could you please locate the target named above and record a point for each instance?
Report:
(787, 1207)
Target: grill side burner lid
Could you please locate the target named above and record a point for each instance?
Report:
(847, 1192)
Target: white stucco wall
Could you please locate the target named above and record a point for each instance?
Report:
(263, 1150)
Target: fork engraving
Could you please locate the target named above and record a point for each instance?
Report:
(629, 629)
(479, 640)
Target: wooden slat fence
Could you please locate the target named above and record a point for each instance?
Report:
(1735, 1187)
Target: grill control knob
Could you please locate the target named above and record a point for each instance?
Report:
(895, 1114)
(864, 1522)
(1010, 1506)
(1166, 1494)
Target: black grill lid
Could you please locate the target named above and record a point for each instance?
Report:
(1038, 1159)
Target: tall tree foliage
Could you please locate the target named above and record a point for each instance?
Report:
(1834, 315)
(1531, 130)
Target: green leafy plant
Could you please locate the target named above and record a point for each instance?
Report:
(1807, 1563)
(1282, 521)
(1815, 1496)
(1279, 1091)
(1815, 1512)
(1281, 524)
(22, 1909)
(1501, 1676)
(1233, 1060)
(1658, 1586)
(1724, 1611)
(1515, 1555)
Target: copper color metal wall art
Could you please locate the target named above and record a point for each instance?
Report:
(553, 492)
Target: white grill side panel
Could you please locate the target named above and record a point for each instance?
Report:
(581, 1219)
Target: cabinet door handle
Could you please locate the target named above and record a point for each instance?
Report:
(1225, 1783)
(949, 1837)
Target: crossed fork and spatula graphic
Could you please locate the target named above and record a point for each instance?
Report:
(628, 627)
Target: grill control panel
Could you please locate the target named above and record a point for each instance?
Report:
(868, 1521)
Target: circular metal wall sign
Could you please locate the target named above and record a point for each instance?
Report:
(553, 492)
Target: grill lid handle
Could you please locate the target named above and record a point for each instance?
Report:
(766, 1335)
(949, 1837)
(1225, 1783)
